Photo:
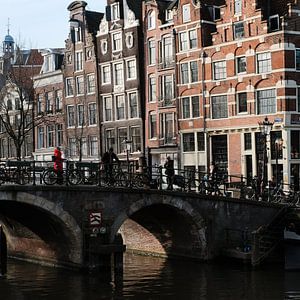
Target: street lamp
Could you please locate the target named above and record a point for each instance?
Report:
(265, 128)
(128, 148)
(278, 147)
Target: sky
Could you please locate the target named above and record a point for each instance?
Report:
(39, 23)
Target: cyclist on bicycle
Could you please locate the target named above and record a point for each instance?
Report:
(108, 159)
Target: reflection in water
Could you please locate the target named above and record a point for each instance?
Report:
(151, 278)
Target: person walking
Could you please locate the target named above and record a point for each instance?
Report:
(108, 159)
(58, 165)
(169, 166)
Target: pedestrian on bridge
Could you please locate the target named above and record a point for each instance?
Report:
(58, 165)
(108, 159)
(169, 166)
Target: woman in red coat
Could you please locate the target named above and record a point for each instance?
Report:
(58, 165)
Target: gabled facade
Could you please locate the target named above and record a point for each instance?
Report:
(161, 124)
(48, 87)
(80, 98)
(121, 79)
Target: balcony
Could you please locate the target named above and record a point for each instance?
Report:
(166, 63)
(168, 140)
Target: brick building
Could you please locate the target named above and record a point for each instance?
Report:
(236, 64)
(121, 79)
(80, 99)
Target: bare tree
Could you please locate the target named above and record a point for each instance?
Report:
(17, 101)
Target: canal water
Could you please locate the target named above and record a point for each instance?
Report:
(152, 278)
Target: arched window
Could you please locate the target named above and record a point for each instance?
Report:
(151, 19)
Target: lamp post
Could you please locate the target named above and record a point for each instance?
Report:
(128, 148)
(265, 128)
(278, 147)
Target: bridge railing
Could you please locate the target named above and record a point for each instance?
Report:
(144, 177)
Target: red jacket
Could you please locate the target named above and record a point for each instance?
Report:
(58, 166)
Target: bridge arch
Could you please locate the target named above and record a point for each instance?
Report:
(41, 227)
(165, 226)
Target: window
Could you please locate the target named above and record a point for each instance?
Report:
(50, 136)
(297, 59)
(193, 39)
(219, 70)
(117, 41)
(242, 102)
(152, 125)
(219, 107)
(110, 138)
(84, 146)
(136, 139)
(188, 142)
(122, 137)
(105, 74)
(167, 51)
(40, 141)
(93, 146)
(152, 54)
(90, 83)
(131, 69)
(237, 7)
(59, 134)
(183, 40)
(72, 147)
(241, 64)
(118, 73)
(238, 30)
(151, 20)
(71, 116)
(120, 104)
(80, 85)
(69, 87)
(169, 15)
(78, 61)
(298, 99)
(274, 23)
(167, 87)
(214, 12)
(58, 100)
(189, 72)
(39, 104)
(266, 101)
(92, 114)
(167, 127)
(133, 105)
(152, 89)
(186, 13)
(115, 12)
(107, 109)
(200, 141)
(48, 96)
(190, 107)
(80, 115)
(76, 34)
(264, 64)
(247, 141)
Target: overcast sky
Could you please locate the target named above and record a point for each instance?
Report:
(39, 23)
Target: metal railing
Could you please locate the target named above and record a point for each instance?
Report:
(143, 177)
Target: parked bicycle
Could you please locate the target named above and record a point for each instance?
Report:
(16, 172)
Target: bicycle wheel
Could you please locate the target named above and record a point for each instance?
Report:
(138, 180)
(74, 177)
(3, 177)
(50, 177)
(21, 177)
(121, 180)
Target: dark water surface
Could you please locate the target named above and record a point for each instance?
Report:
(152, 278)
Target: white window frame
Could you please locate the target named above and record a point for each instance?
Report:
(115, 11)
(237, 7)
(189, 72)
(225, 112)
(118, 107)
(237, 64)
(273, 98)
(129, 105)
(103, 77)
(219, 75)
(191, 108)
(128, 69)
(78, 61)
(68, 116)
(186, 13)
(151, 20)
(115, 73)
(95, 113)
(151, 50)
(91, 84)
(79, 85)
(116, 46)
(80, 114)
(71, 80)
(150, 88)
(266, 68)
(107, 100)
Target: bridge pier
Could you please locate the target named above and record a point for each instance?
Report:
(3, 252)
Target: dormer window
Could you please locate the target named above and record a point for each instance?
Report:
(47, 63)
(274, 23)
(169, 15)
(186, 13)
(151, 20)
(237, 7)
(115, 12)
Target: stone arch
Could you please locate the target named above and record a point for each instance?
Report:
(183, 208)
(66, 222)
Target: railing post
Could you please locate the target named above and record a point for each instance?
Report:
(160, 177)
(33, 172)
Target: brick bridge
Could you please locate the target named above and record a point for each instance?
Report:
(52, 223)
